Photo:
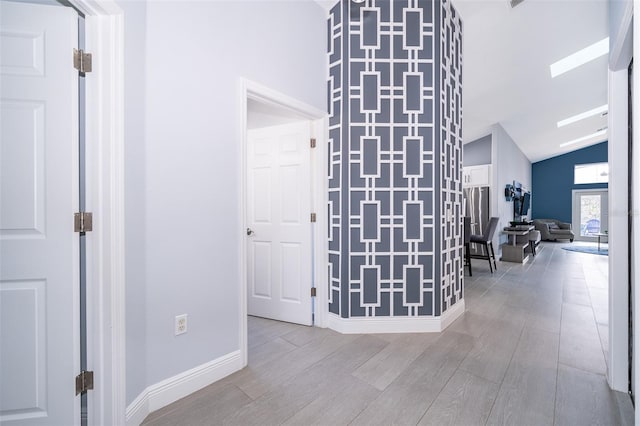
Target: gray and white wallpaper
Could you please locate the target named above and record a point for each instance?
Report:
(395, 158)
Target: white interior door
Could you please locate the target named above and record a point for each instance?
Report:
(279, 227)
(39, 325)
(590, 213)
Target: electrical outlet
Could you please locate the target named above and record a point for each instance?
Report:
(181, 324)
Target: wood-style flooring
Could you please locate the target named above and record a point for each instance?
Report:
(529, 350)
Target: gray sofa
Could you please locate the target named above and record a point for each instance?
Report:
(553, 230)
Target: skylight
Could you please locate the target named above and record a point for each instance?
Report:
(581, 57)
(584, 138)
(582, 116)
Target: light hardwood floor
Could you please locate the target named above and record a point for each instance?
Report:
(528, 351)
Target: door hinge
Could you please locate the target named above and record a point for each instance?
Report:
(81, 60)
(313, 292)
(313, 142)
(84, 381)
(313, 217)
(83, 222)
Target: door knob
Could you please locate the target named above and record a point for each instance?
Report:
(249, 231)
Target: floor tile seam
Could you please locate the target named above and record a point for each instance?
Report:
(293, 414)
(260, 364)
(180, 401)
(471, 373)
(242, 390)
(283, 380)
(555, 395)
(504, 375)
(334, 351)
(439, 393)
(319, 335)
(266, 395)
(595, 320)
(243, 406)
(583, 370)
(249, 346)
(439, 366)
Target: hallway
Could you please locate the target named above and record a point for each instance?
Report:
(529, 350)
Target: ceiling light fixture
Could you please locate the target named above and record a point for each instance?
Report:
(584, 138)
(581, 57)
(582, 116)
(358, 1)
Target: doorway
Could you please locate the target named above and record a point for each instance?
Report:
(590, 209)
(279, 226)
(283, 206)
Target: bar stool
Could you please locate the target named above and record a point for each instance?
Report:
(486, 241)
(467, 245)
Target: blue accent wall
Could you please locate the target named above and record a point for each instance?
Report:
(552, 181)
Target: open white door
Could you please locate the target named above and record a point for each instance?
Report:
(278, 219)
(39, 325)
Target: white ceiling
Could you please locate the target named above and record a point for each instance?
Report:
(506, 78)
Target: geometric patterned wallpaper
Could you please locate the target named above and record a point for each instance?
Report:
(395, 158)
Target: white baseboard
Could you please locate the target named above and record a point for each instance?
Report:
(376, 325)
(174, 388)
(452, 314)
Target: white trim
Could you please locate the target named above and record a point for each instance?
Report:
(320, 201)
(105, 198)
(380, 325)
(265, 95)
(635, 211)
(174, 388)
(618, 57)
(618, 371)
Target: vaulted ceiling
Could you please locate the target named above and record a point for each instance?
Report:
(506, 56)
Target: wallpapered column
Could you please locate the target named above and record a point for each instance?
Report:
(395, 160)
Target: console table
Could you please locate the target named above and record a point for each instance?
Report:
(512, 251)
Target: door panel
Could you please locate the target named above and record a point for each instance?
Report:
(291, 271)
(278, 209)
(22, 168)
(39, 329)
(590, 214)
(262, 269)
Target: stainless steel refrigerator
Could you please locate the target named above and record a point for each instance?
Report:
(476, 200)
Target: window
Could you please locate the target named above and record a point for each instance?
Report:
(591, 173)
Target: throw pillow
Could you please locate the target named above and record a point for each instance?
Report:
(553, 225)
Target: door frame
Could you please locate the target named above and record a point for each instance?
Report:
(576, 192)
(104, 24)
(319, 200)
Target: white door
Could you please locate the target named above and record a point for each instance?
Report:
(39, 325)
(590, 213)
(279, 227)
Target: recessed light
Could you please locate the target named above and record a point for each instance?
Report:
(582, 116)
(600, 132)
(581, 57)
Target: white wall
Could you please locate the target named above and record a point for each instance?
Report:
(509, 164)
(183, 177)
